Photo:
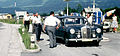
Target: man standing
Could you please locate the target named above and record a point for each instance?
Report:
(38, 27)
(26, 22)
(114, 23)
(51, 24)
(89, 18)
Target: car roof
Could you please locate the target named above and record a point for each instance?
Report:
(62, 17)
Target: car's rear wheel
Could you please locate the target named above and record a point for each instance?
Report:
(108, 30)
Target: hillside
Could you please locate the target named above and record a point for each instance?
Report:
(45, 6)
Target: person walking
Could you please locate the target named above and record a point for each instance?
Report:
(114, 23)
(51, 24)
(38, 26)
(26, 22)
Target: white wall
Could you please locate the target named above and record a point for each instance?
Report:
(18, 13)
(3, 17)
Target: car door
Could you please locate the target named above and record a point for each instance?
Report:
(60, 32)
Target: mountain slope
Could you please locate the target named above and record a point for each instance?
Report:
(45, 6)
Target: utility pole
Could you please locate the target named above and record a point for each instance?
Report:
(16, 17)
(67, 6)
(15, 6)
(93, 5)
(67, 9)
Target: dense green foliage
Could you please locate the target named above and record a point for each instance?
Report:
(78, 9)
(118, 29)
(117, 13)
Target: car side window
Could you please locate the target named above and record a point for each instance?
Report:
(85, 20)
(78, 20)
(62, 22)
(81, 21)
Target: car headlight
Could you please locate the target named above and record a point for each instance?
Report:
(94, 35)
(72, 31)
(98, 30)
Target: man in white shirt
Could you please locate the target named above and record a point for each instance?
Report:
(38, 26)
(89, 18)
(26, 22)
(51, 24)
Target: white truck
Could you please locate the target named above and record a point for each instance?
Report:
(21, 14)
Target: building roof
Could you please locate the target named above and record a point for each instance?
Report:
(91, 9)
(4, 13)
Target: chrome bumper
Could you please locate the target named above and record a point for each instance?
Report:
(85, 40)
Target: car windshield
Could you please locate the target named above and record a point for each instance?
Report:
(73, 21)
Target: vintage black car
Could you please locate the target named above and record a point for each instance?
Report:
(76, 28)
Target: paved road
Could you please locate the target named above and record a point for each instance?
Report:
(9, 40)
(106, 48)
(10, 45)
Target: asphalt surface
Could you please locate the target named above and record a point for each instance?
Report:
(109, 47)
(10, 45)
(9, 40)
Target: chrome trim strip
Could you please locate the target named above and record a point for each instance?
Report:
(85, 40)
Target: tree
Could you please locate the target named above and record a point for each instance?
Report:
(79, 8)
(117, 12)
(71, 10)
(65, 10)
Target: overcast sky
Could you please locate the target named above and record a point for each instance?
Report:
(22, 3)
(40, 3)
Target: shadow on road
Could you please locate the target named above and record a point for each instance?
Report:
(77, 44)
(81, 44)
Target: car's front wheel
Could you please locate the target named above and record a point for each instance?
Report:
(96, 43)
(66, 42)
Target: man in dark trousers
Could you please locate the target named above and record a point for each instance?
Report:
(38, 27)
(51, 24)
(26, 22)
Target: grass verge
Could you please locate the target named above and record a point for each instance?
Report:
(26, 39)
(11, 21)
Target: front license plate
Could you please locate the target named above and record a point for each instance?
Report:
(87, 40)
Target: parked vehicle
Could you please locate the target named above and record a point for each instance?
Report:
(107, 26)
(76, 28)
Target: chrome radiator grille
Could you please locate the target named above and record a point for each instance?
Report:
(86, 32)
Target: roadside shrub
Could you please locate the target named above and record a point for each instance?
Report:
(11, 21)
(26, 38)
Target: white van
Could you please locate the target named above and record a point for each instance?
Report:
(107, 26)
